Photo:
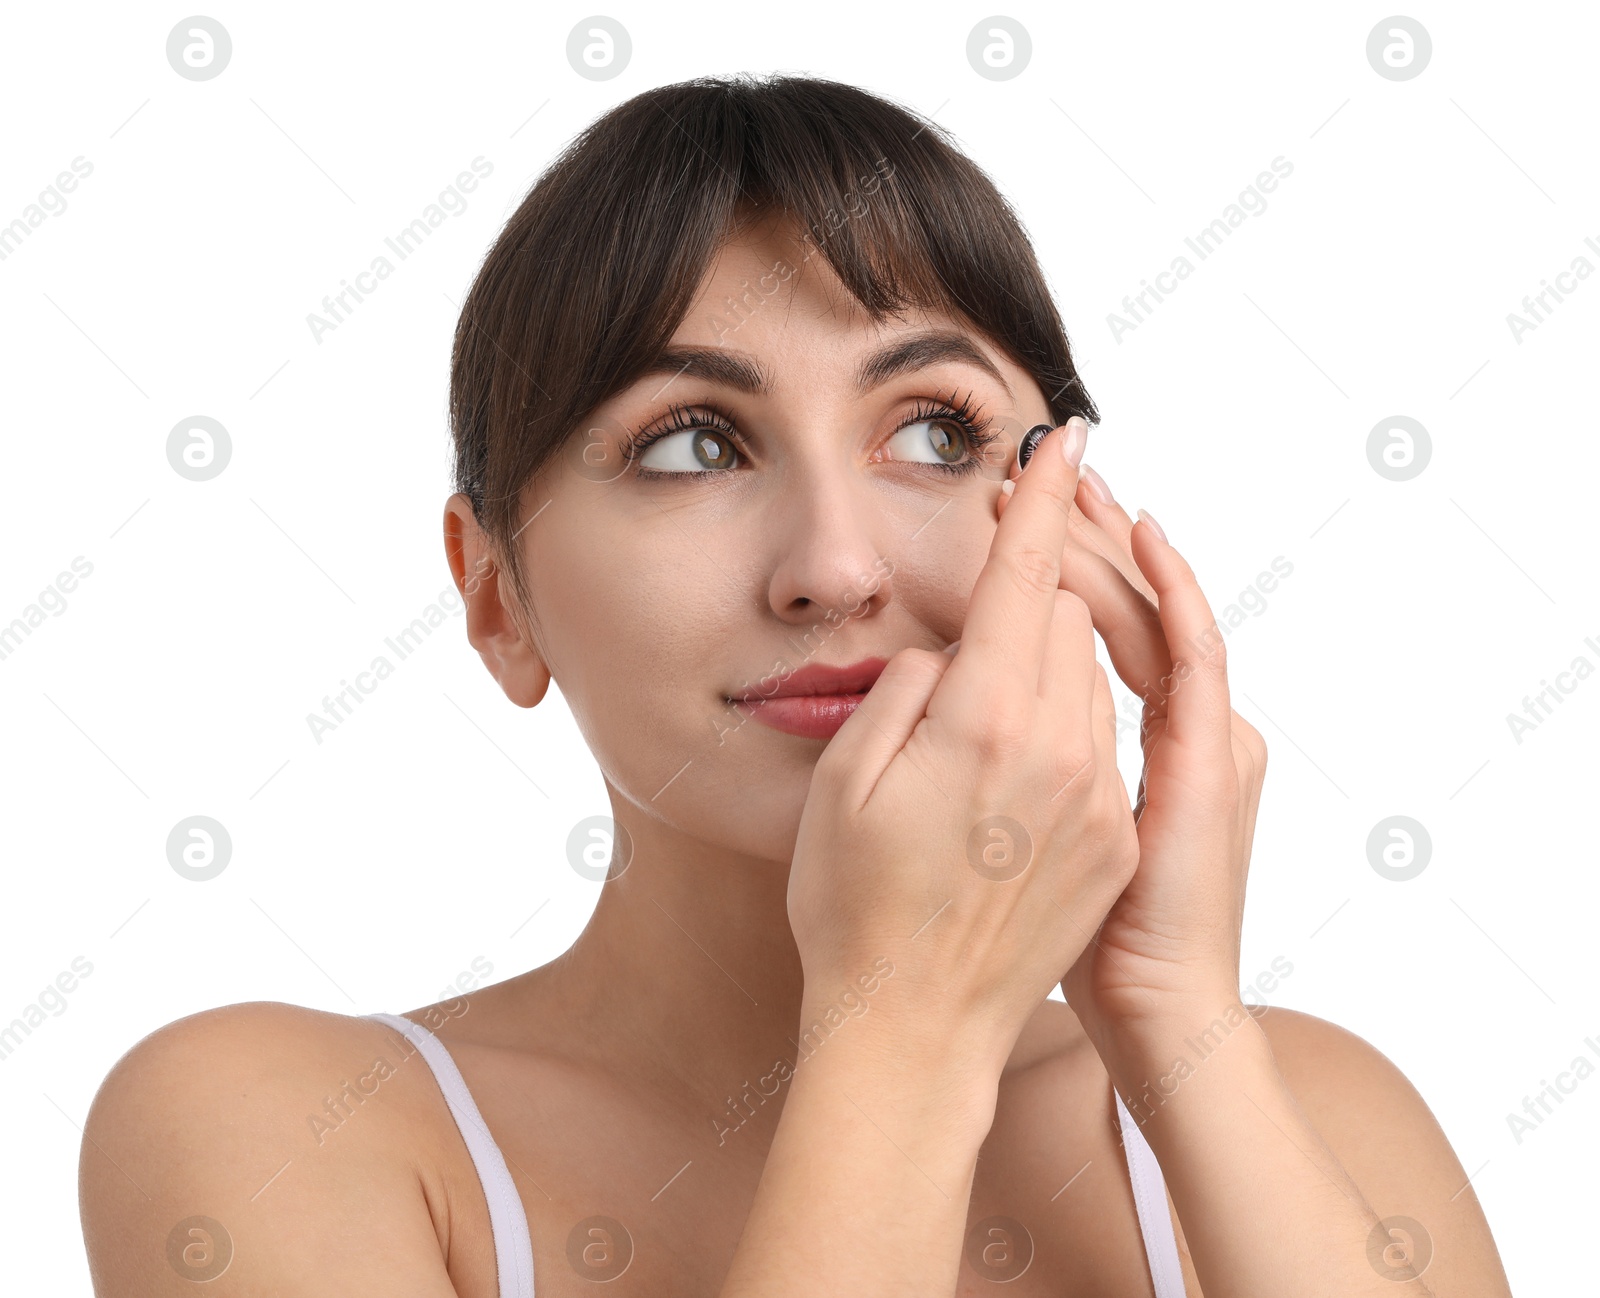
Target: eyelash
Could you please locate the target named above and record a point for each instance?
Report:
(974, 425)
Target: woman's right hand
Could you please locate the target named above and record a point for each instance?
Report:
(968, 822)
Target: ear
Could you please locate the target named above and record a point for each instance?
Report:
(491, 627)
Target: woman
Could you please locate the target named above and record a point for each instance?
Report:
(741, 399)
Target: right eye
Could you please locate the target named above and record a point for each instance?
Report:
(688, 451)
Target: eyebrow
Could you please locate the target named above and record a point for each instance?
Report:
(743, 373)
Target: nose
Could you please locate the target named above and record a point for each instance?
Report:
(829, 558)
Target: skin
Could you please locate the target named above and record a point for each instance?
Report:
(605, 1073)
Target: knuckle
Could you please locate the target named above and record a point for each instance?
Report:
(928, 662)
(1252, 743)
(1001, 737)
(1121, 840)
(1075, 752)
(1069, 604)
(1062, 491)
(1003, 746)
(1127, 860)
(1034, 568)
(1071, 616)
(1209, 661)
(1073, 773)
(1212, 649)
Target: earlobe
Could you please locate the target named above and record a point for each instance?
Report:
(512, 658)
(506, 648)
(524, 678)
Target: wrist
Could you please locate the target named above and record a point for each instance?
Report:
(933, 1091)
(893, 1041)
(1214, 1040)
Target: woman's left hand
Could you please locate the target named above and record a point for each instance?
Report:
(1166, 958)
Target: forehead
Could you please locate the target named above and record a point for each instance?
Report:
(769, 301)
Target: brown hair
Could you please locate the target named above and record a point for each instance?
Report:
(599, 264)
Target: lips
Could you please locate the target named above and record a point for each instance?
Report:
(857, 678)
(813, 702)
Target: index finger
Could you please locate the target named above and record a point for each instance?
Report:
(1013, 600)
(1121, 601)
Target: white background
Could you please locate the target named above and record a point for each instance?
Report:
(370, 870)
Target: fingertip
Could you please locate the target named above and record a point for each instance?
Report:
(1152, 555)
(1074, 441)
(1098, 489)
(1003, 498)
(1146, 516)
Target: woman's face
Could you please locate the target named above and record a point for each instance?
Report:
(837, 515)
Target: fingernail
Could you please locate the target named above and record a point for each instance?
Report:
(1097, 484)
(1030, 440)
(952, 647)
(1076, 438)
(1149, 518)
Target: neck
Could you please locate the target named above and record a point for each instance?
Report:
(686, 978)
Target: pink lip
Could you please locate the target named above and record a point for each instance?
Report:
(812, 702)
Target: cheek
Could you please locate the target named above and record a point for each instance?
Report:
(639, 641)
(648, 660)
(934, 576)
(633, 625)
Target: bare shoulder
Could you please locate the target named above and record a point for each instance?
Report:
(1381, 1129)
(284, 1145)
(1351, 1084)
(1362, 1105)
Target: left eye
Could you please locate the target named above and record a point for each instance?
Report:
(929, 441)
(689, 450)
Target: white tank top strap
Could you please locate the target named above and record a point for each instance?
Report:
(513, 1249)
(1150, 1200)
